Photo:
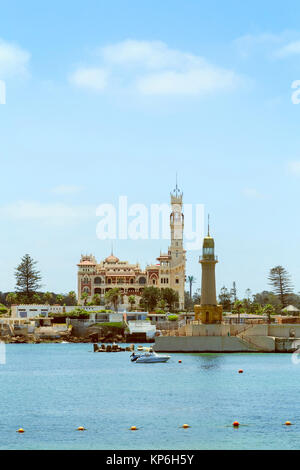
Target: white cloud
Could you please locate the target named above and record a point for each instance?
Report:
(93, 78)
(67, 189)
(253, 43)
(252, 193)
(292, 48)
(13, 60)
(148, 54)
(52, 213)
(275, 46)
(151, 67)
(294, 167)
(201, 80)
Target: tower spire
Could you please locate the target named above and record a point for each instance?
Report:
(208, 226)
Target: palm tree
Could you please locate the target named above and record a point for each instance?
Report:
(11, 298)
(72, 297)
(131, 300)
(191, 280)
(59, 298)
(238, 307)
(84, 297)
(113, 297)
(48, 297)
(269, 310)
(96, 299)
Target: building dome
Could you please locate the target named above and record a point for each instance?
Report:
(111, 259)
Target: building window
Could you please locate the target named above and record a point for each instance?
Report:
(97, 280)
(177, 281)
(142, 280)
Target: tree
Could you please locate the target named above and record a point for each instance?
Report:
(59, 299)
(11, 298)
(266, 297)
(269, 310)
(170, 296)
(197, 297)
(188, 302)
(113, 297)
(131, 300)
(238, 308)
(280, 280)
(84, 297)
(28, 278)
(151, 295)
(48, 297)
(162, 304)
(96, 299)
(72, 297)
(36, 298)
(191, 281)
(225, 299)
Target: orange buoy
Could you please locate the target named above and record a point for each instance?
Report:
(133, 428)
(185, 426)
(180, 361)
(288, 423)
(235, 424)
(80, 428)
(241, 371)
(20, 430)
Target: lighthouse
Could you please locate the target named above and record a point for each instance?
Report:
(208, 311)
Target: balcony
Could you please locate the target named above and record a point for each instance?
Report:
(208, 258)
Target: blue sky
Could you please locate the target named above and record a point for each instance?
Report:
(112, 98)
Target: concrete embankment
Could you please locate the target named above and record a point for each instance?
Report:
(232, 338)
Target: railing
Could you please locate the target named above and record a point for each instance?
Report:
(208, 258)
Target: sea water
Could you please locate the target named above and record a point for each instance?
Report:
(51, 389)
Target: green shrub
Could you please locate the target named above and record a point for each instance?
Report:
(173, 317)
(3, 309)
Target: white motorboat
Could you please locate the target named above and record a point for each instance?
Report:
(149, 357)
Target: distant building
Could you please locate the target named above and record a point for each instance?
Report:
(38, 310)
(29, 311)
(131, 279)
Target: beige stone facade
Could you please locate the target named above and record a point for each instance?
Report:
(131, 279)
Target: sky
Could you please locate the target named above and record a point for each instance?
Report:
(109, 99)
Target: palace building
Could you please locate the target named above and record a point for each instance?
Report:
(99, 278)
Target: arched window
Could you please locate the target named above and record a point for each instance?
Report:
(97, 280)
(97, 290)
(142, 280)
(86, 289)
(86, 280)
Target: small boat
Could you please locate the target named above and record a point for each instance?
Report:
(148, 357)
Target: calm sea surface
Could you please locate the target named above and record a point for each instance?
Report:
(51, 389)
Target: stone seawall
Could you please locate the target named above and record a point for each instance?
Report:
(224, 344)
(201, 344)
